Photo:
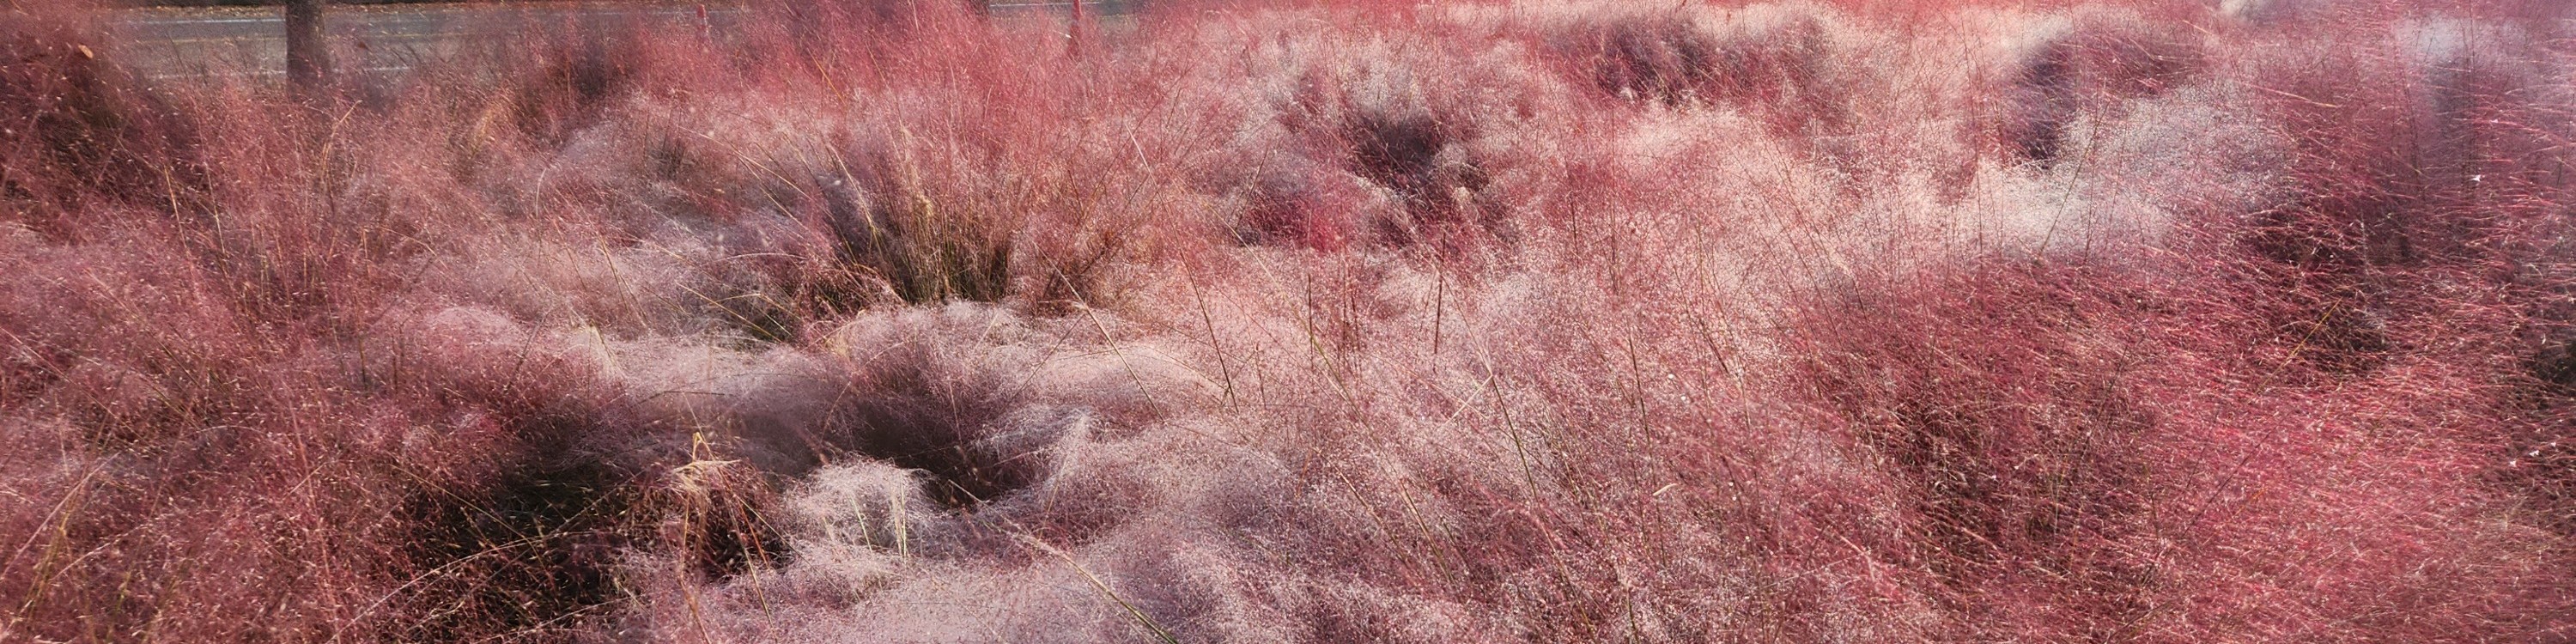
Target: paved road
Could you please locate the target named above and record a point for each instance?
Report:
(182, 43)
(179, 43)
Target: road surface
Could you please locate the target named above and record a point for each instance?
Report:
(167, 43)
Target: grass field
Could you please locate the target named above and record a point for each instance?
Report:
(1542, 321)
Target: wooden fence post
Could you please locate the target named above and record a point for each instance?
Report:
(308, 54)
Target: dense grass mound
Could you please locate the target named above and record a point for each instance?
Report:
(1542, 321)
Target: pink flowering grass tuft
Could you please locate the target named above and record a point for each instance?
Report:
(1313, 322)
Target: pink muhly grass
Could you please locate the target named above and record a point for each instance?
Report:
(1314, 322)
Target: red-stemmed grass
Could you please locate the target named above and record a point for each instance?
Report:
(1317, 322)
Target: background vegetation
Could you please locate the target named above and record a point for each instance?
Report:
(1331, 322)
